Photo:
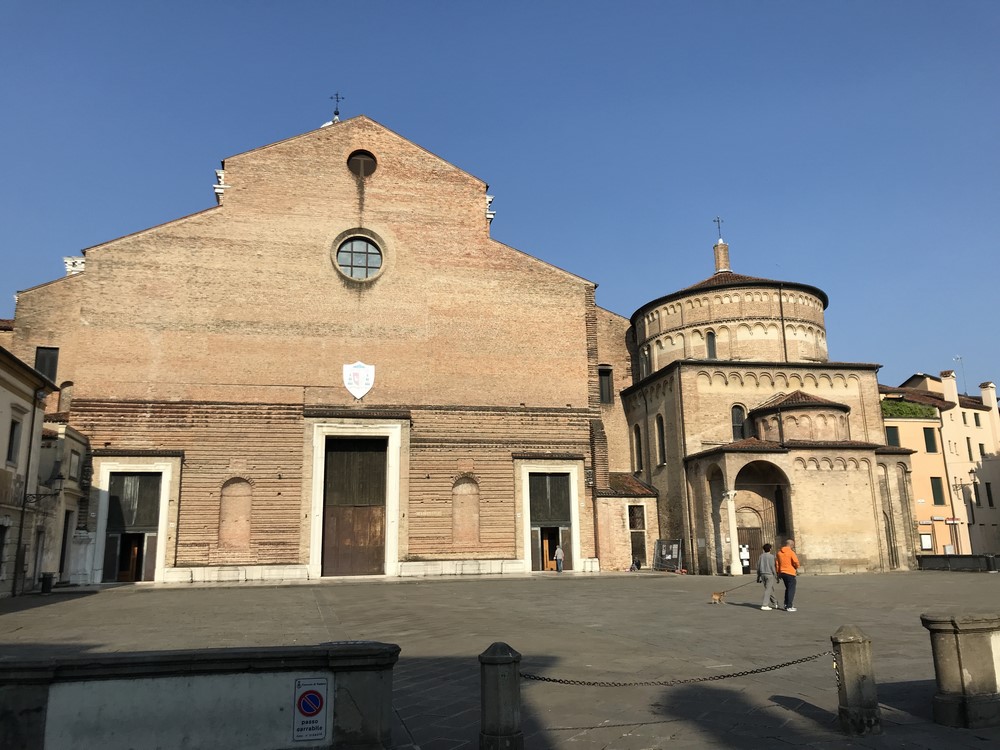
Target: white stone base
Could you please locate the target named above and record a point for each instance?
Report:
(461, 568)
(428, 568)
(236, 573)
(479, 567)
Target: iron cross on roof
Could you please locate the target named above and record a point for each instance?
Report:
(718, 222)
(337, 99)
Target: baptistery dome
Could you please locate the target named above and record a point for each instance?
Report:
(730, 316)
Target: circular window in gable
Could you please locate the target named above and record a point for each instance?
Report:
(362, 163)
(359, 258)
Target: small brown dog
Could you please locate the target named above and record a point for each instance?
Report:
(718, 597)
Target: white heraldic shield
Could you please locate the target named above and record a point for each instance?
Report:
(359, 378)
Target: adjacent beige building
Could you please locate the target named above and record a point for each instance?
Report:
(28, 512)
(955, 464)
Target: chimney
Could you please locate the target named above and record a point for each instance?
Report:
(722, 257)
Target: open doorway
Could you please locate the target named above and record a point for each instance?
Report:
(551, 523)
(133, 519)
(130, 554)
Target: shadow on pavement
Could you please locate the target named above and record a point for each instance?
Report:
(28, 601)
(46, 652)
(436, 705)
(914, 698)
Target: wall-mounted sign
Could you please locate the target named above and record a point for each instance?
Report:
(310, 710)
(359, 379)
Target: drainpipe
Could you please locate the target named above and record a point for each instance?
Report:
(19, 564)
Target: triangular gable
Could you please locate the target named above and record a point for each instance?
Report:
(353, 121)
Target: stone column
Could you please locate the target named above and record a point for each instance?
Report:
(735, 564)
(966, 650)
(501, 699)
(858, 692)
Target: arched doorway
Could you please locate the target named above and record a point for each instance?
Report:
(763, 513)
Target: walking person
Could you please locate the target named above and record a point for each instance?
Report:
(767, 574)
(788, 566)
(559, 556)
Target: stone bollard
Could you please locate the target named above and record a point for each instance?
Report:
(501, 699)
(966, 650)
(859, 712)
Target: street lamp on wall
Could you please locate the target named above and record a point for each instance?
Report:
(959, 487)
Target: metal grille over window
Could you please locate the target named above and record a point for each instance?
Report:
(359, 258)
(362, 163)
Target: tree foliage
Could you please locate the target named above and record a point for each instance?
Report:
(907, 410)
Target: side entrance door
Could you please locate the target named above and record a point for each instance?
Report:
(354, 506)
(550, 520)
(133, 519)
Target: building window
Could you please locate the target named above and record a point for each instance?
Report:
(13, 441)
(937, 490)
(606, 382)
(359, 258)
(968, 447)
(47, 361)
(975, 492)
(965, 418)
(710, 345)
(661, 446)
(930, 441)
(74, 466)
(982, 450)
(637, 445)
(636, 518)
(976, 418)
(989, 494)
(362, 163)
(740, 427)
(892, 436)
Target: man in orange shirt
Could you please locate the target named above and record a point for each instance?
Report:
(788, 564)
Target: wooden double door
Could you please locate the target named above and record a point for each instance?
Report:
(354, 506)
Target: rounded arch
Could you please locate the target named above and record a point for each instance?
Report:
(465, 509)
(235, 511)
(748, 518)
(762, 487)
(65, 400)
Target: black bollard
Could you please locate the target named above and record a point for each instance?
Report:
(501, 699)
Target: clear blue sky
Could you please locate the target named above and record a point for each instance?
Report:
(849, 145)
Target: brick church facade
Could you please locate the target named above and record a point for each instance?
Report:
(337, 371)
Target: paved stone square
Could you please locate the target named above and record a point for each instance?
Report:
(612, 627)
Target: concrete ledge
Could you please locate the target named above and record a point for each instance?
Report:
(246, 697)
(963, 563)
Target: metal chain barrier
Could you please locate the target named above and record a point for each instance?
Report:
(670, 683)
